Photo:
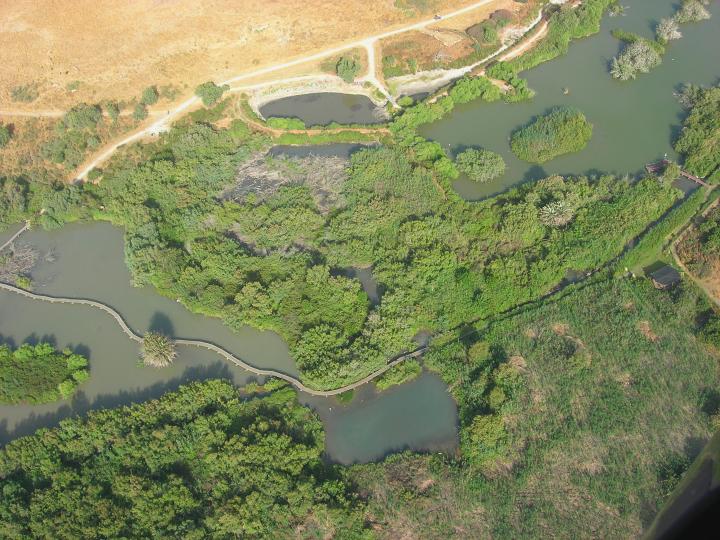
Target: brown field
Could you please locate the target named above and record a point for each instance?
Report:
(448, 41)
(84, 50)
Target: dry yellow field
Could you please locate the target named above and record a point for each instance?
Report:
(89, 50)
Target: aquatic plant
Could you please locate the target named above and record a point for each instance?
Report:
(157, 350)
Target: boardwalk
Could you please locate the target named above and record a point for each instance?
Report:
(654, 168)
(212, 347)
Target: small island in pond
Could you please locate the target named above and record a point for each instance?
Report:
(562, 131)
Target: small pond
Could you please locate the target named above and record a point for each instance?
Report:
(324, 108)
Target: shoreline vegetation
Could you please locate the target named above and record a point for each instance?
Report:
(39, 374)
(640, 55)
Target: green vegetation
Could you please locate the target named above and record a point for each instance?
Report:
(403, 372)
(39, 374)
(157, 350)
(269, 262)
(285, 123)
(480, 165)
(562, 131)
(347, 68)
(639, 56)
(5, 135)
(580, 394)
(201, 462)
(699, 141)
(649, 248)
(210, 92)
(150, 96)
(326, 138)
(565, 24)
(140, 112)
(25, 93)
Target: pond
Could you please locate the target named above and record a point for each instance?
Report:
(86, 261)
(634, 122)
(321, 109)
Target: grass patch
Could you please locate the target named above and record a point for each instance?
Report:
(403, 372)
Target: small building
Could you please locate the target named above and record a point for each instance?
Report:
(665, 277)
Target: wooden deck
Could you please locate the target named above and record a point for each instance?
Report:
(654, 168)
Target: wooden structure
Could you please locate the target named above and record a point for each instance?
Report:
(659, 166)
(665, 277)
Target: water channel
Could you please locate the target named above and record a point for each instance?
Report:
(86, 261)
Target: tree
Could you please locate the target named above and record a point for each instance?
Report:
(692, 11)
(667, 29)
(150, 96)
(638, 56)
(5, 135)
(210, 92)
(347, 68)
(480, 165)
(157, 350)
(556, 214)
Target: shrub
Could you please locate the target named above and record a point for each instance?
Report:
(94, 174)
(561, 131)
(150, 96)
(26, 93)
(637, 57)
(347, 69)
(157, 350)
(480, 165)
(210, 92)
(692, 11)
(83, 117)
(4, 135)
(667, 30)
(140, 112)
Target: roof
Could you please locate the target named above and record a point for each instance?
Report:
(665, 275)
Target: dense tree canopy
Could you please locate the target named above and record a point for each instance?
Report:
(201, 462)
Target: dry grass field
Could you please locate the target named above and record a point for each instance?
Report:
(67, 51)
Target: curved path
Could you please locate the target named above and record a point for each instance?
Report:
(212, 347)
(163, 123)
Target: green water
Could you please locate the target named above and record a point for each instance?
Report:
(86, 261)
(634, 122)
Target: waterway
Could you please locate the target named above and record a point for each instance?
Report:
(324, 108)
(86, 261)
(634, 122)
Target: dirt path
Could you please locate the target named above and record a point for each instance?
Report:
(163, 123)
(527, 44)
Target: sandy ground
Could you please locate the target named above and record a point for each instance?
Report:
(114, 48)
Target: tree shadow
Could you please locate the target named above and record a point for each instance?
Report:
(161, 324)
(80, 405)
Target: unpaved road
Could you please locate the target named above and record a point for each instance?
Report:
(163, 123)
